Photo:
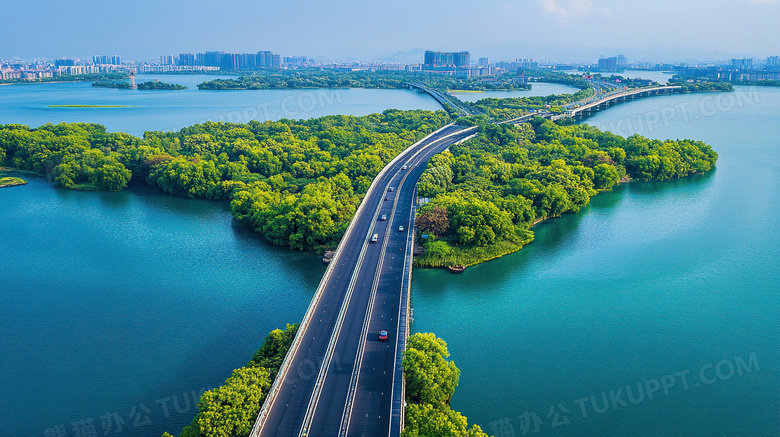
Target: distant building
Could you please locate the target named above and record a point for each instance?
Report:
(527, 64)
(773, 61)
(446, 59)
(621, 61)
(297, 61)
(107, 60)
(166, 60)
(187, 59)
(608, 64)
(64, 63)
(742, 64)
(483, 62)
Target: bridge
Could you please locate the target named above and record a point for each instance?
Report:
(443, 99)
(338, 378)
(588, 108)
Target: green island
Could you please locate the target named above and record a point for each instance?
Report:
(9, 181)
(487, 192)
(698, 84)
(231, 409)
(298, 183)
(69, 78)
(316, 78)
(148, 85)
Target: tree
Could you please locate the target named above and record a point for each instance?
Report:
(426, 420)
(430, 378)
(274, 349)
(433, 220)
(231, 410)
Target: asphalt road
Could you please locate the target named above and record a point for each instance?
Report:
(375, 270)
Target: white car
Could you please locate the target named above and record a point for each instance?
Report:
(404, 168)
(400, 229)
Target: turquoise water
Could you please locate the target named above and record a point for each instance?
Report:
(650, 280)
(537, 89)
(119, 302)
(172, 110)
(116, 300)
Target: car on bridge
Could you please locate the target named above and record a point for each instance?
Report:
(404, 168)
(400, 229)
(374, 238)
(383, 335)
(383, 217)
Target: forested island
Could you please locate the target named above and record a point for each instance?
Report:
(699, 84)
(316, 78)
(298, 183)
(148, 85)
(513, 107)
(487, 192)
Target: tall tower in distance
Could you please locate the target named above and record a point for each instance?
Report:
(132, 80)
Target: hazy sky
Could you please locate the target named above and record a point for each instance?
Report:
(564, 30)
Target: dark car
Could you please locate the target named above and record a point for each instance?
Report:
(383, 335)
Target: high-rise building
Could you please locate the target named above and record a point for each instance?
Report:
(483, 62)
(107, 60)
(621, 61)
(608, 64)
(773, 61)
(64, 63)
(166, 60)
(187, 59)
(742, 64)
(447, 59)
(527, 64)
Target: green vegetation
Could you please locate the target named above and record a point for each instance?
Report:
(9, 181)
(70, 78)
(148, 85)
(507, 109)
(298, 183)
(695, 84)
(757, 82)
(486, 192)
(316, 78)
(430, 384)
(231, 410)
(574, 80)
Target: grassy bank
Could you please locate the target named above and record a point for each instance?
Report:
(11, 182)
(466, 256)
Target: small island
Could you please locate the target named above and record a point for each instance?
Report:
(11, 182)
(148, 85)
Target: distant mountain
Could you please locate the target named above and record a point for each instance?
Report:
(411, 57)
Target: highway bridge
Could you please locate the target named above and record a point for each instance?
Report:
(339, 379)
(443, 99)
(587, 109)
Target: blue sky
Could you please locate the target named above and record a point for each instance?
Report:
(564, 30)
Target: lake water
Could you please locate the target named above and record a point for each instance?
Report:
(652, 282)
(172, 110)
(115, 303)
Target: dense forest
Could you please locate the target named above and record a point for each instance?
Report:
(486, 192)
(509, 108)
(298, 183)
(148, 85)
(317, 78)
(698, 84)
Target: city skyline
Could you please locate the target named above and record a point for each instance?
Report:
(562, 30)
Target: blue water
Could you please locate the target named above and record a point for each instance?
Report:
(113, 300)
(172, 110)
(650, 280)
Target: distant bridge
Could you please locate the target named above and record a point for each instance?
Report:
(443, 99)
(588, 109)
